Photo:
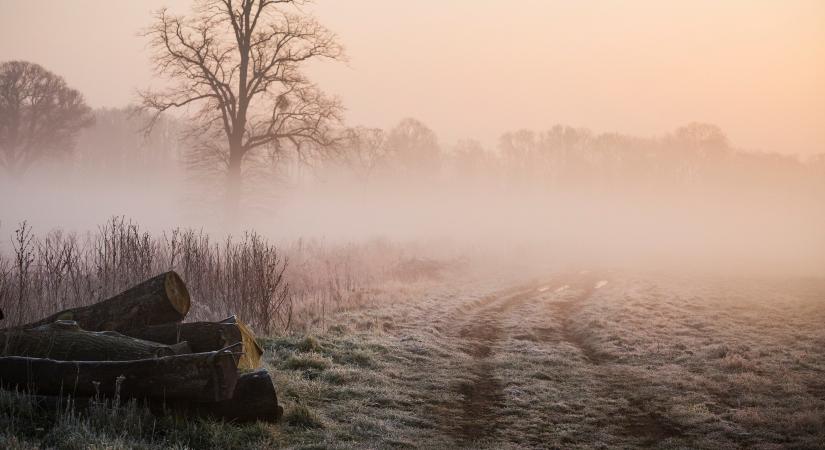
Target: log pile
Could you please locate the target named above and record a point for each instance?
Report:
(136, 346)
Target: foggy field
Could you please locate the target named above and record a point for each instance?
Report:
(312, 224)
(508, 362)
(644, 360)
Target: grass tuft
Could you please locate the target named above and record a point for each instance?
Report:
(306, 361)
(308, 344)
(302, 417)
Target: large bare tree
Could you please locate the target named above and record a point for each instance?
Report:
(236, 69)
(39, 115)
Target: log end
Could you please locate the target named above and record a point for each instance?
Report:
(177, 293)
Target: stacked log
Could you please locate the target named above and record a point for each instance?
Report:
(64, 340)
(135, 345)
(206, 337)
(159, 300)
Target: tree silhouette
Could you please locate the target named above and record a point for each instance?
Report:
(238, 64)
(414, 148)
(39, 115)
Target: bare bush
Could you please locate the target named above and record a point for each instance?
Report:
(274, 291)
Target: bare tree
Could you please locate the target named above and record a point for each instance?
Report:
(236, 66)
(39, 115)
(414, 147)
(366, 150)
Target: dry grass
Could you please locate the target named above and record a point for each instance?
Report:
(273, 289)
(642, 361)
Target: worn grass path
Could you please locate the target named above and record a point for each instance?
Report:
(564, 360)
(568, 360)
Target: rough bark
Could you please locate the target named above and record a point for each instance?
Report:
(203, 377)
(206, 337)
(254, 399)
(65, 341)
(158, 300)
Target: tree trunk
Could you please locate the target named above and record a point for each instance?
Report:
(203, 377)
(65, 341)
(254, 399)
(206, 337)
(158, 300)
(234, 186)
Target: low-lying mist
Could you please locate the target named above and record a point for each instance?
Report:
(565, 196)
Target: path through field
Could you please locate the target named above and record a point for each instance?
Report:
(573, 359)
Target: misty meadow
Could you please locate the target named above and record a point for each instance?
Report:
(365, 224)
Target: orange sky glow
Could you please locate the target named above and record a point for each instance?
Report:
(477, 68)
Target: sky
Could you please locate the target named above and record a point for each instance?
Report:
(477, 68)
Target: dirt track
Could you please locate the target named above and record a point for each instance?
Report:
(572, 360)
(482, 335)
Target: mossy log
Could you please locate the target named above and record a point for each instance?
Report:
(203, 377)
(207, 336)
(64, 340)
(158, 300)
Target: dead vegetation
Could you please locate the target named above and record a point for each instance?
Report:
(641, 361)
(565, 360)
(279, 289)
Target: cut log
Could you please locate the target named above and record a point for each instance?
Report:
(158, 300)
(252, 352)
(206, 337)
(65, 341)
(254, 399)
(204, 377)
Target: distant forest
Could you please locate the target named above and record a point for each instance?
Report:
(696, 155)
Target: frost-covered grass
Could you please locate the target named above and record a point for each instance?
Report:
(647, 360)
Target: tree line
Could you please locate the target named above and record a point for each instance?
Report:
(247, 110)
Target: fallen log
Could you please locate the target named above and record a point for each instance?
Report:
(204, 377)
(252, 352)
(254, 399)
(64, 340)
(206, 337)
(158, 300)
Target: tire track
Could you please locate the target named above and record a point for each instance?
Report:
(639, 419)
(482, 396)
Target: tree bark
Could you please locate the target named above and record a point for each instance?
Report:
(206, 337)
(65, 341)
(204, 377)
(158, 300)
(254, 399)
(234, 185)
